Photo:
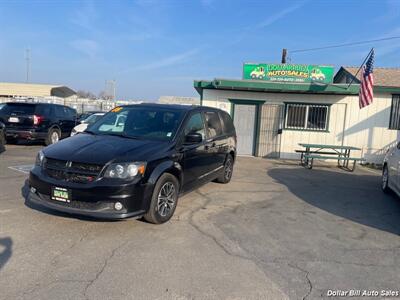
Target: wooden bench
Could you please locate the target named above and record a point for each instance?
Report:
(320, 152)
(309, 160)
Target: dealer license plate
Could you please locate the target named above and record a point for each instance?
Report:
(13, 120)
(61, 194)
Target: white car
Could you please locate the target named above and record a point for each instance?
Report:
(86, 122)
(391, 170)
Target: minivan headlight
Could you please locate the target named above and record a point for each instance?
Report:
(39, 158)
(125, 170)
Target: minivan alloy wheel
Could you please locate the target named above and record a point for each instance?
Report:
(385, 178)
(166, 199)
(54, 137)
(225, 176)
(228, 169)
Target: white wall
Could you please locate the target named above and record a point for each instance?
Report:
(366, 128)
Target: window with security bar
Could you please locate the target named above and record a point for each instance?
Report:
(394, 122)
(307, 116)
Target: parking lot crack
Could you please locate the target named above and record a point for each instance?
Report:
(102, 269)
(73, 245)
(306, 273)
(226, 246)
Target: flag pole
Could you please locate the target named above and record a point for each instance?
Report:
(355, 76)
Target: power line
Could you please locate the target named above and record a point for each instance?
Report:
(345, 45)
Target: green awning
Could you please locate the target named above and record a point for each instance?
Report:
(285, 87)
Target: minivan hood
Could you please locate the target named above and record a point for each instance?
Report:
(100, 149)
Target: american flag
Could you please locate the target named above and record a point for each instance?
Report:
(366, 95)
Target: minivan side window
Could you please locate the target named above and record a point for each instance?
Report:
(227, 123)
(195, 125)
(213, 124)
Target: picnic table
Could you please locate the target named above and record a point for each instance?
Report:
(341, 153)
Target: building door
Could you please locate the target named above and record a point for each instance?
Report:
(244, 119)
(271, 122)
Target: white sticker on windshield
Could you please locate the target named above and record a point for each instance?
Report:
(169, 134)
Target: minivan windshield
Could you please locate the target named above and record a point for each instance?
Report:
(156, 123)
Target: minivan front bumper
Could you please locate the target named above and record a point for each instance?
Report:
(101, 212)
(96, 199)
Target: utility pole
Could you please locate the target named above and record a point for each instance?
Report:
(28, 63)
(113, 89)
(284, 53)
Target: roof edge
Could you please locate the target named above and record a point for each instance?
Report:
(285, 87)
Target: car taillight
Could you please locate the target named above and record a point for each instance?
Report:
(37, 119)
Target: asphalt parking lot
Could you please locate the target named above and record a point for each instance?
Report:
(277, 231)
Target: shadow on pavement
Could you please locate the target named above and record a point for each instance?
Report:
(25, 195)
(22, 142)
(5, 250)
(356, 197)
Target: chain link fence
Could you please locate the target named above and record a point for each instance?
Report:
(79, 104)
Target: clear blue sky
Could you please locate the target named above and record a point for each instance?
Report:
(158, 47)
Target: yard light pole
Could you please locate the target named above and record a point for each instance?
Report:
(28, 62)
(111, 88)
(114, 95)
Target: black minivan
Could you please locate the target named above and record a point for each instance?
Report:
(37, 121)
(135, 161)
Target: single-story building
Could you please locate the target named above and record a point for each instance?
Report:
(273, 115)
(34, 90)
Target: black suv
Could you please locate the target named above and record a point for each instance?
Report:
(135, 161)
(2, 137)
(37, 121)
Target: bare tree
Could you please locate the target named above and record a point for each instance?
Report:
(86, 94)
(104, 95)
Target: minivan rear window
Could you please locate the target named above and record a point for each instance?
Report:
(213, 124)
(227, 123)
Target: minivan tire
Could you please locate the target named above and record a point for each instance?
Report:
(226, 176)
(49, 139)
(162, 206)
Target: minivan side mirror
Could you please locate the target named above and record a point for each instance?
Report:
(193, 138)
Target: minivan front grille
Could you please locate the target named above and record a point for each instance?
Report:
(71, 171)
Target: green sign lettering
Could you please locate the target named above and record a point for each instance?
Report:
(288, 72)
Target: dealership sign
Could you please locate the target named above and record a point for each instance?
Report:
(288, 72)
